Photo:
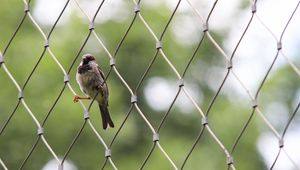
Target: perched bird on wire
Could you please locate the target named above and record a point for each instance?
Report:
(92, 82)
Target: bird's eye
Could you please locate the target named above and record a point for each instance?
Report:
(91, 58)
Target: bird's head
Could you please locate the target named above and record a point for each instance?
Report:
(87, 58)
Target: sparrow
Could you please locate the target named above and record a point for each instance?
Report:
(91, 81)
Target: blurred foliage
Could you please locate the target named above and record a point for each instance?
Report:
(135, 139)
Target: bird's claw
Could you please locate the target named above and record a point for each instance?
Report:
(76, 99)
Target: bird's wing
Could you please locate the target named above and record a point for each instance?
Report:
(104, 88)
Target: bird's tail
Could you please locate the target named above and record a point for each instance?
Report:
(106, 120)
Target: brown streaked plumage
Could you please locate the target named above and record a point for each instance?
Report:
(91, 81)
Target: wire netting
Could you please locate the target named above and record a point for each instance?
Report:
(210, 124)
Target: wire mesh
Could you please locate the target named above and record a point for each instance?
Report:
(158, 40)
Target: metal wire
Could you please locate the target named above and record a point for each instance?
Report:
(159, 51)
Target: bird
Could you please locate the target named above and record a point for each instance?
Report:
(91, 81)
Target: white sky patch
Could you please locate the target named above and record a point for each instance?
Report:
(277, 114)
(224, 14)
(184, 104)
(46, 12)
(275, 13)
(221, 18)
(291, 38)
(258, 47)
(296, 99)
(254, 54)
(276, 18)
(171, 4)
(116, 10)
(152, 3)
(52, 164)
(268, 147)
(185, 30)
(160, 93)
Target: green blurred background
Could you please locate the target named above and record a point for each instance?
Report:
(278, 97)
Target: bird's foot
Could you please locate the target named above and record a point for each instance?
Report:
(77, 98)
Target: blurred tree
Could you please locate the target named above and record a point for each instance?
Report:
(135, 140)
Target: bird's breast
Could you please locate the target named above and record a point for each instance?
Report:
(88, 83)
